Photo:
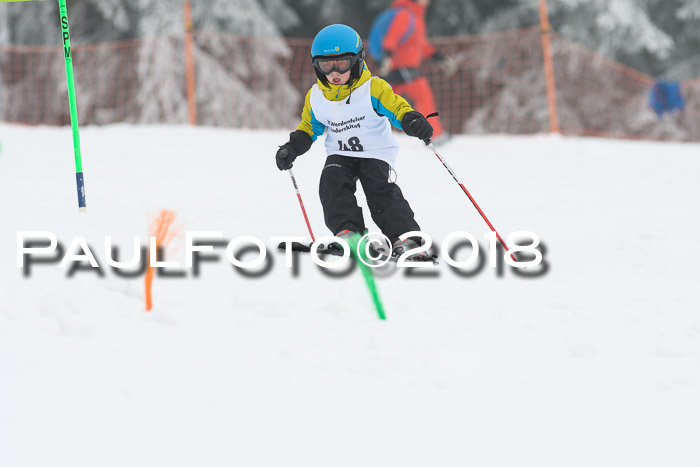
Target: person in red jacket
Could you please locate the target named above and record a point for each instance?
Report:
(401, 65)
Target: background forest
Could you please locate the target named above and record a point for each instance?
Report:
(658, 37)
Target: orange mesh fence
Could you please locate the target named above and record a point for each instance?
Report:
(499, 85)
(28, 89)
(245, 82)
(248, 82)
(597, 96)
(33, 86)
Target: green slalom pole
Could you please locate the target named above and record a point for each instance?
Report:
(79, 179)
(367, 274)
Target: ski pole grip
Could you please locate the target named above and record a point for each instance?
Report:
(434, 114)
(80, 183)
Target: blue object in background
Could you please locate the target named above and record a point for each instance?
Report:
(666, 97)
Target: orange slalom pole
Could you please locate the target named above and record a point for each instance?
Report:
(189, 64)
(148, 282)
(549, 68)
(163, 230)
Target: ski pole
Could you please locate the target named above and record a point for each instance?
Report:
(301, 203)
(449, 169)
(80, 182)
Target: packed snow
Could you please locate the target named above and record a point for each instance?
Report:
(595, 361)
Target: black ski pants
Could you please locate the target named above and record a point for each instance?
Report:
(389, 209)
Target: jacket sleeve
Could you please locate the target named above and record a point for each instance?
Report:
(388, 104)
(309, 124)
(398, 27)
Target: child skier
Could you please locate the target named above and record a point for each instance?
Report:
(357, 109)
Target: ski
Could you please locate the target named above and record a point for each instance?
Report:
(378, 255)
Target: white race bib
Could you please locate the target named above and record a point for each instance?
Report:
(353, 128)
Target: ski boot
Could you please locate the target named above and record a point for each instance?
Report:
(345, 235)
(399, 247)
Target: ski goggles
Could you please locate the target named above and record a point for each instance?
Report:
(341, 64)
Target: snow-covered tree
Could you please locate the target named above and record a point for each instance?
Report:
(255, 78)
(30, 23)
(684, 22)
(24, 78)
(281, 14)
(611, 27)
(220, 87)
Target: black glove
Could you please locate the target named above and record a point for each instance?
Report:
(415, 124)
(299, 142)
(285, 156)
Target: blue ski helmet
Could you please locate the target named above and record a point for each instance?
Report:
(338, 39)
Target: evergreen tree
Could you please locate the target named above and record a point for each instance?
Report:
(31, 23)
(684, 24)
(247, 73)
(460, 17)
(620, 29)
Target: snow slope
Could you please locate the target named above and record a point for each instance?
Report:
(594, 363)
